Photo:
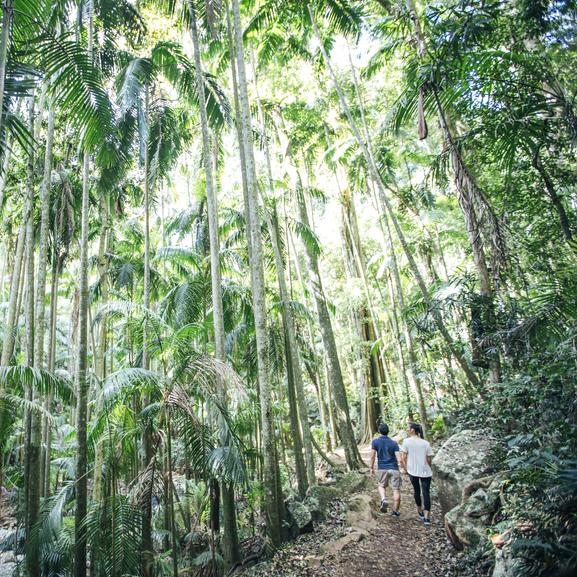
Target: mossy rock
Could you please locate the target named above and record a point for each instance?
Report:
(319, 499)
(353, 482)
(300, 513)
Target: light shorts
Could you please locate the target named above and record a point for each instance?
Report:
(384, 476)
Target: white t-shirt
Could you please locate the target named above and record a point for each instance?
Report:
(417, 450)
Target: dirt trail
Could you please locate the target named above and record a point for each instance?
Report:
(393, 547)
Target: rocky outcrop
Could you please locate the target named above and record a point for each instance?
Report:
(299, 518)
(319, 499)
(361, 512)
(353, 482)
(466, 523)
(463, 458)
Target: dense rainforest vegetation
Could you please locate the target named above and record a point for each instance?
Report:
(238, 235)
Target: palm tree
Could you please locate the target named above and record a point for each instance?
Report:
(271, 481)
(230, 538)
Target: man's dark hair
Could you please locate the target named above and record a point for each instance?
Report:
(384, 429)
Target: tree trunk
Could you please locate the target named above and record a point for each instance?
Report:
(415, 380)
(317, 378)
(11, 321)
(147, 542)
(271, 482)
(293, 356)
(34, 450)
(337, 384)
(230, 535)
(293, 364)
(367, 322)
(7, 17)
(31, 473)
(554, 197)
(82, 382)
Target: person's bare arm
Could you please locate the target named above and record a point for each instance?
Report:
(403, 463)
(373, 457)
(429, 459)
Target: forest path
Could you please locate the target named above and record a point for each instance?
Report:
(397, 547)
(387, 547)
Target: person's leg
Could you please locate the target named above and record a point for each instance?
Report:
(396, 483)
(426, 485)
(383, 481)
(416, 492)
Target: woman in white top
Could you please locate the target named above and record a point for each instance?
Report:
(416, 456)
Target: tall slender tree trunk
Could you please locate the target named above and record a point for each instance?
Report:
(7, 18)
(29, 258)
(293, 363)
(337, 384)
(271, 481)
(414, 377)
(100, 345)
(230, 536)
(367, 322)
(147, 542)
(31, 452)
(35, 450)
(10, 330)
(293, 357)
(316, 378)
(82, 382)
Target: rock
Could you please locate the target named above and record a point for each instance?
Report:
(361, 530)
(353, 482)
(313, 562)
(333, 547)
(463, 530)
(360, 512)
(505, 565)
(319, 499)
(462, 458)
(300, 518)
(466, 523)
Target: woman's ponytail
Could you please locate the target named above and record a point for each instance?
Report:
(417, 428)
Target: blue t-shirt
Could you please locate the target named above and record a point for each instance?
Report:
(386, 449)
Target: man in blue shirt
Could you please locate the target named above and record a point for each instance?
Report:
(388, 454)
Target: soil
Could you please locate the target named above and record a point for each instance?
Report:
(395, 547)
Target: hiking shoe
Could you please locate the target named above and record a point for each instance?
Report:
(395, 514)
(427, 522)
(384, 506)
(421, 516)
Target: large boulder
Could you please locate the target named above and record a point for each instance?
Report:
(361, 512)
(319, 499)
(466, 524)
(299, 517)
(353, 482)
(463, 458)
